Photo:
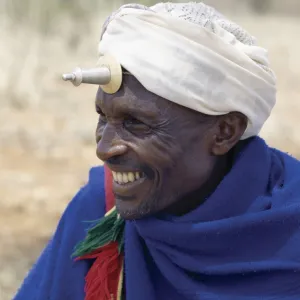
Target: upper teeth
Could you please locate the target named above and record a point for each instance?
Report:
(126, 177)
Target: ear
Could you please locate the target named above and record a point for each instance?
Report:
(229, 130)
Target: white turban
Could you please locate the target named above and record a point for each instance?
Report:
(193, 56)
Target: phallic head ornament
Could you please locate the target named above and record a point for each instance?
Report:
(107, 74)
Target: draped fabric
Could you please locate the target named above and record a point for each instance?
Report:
(241, 244)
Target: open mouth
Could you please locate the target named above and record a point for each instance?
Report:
(128, 185)
(124, 178)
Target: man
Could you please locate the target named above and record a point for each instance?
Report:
(198, 206)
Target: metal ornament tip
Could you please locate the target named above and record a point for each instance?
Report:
(67, 77)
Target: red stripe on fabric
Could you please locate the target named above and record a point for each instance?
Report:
(102, 280)
(109, 196)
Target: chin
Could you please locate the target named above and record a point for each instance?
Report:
(132, 211)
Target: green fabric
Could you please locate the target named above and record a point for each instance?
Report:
(108, 229)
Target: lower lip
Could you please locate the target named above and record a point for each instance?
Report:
(127, 189)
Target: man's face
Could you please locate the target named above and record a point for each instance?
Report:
(158, 151)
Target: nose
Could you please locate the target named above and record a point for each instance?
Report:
(110, 144)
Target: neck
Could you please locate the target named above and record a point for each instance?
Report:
(192, 200)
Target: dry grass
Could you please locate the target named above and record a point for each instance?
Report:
(46, 127)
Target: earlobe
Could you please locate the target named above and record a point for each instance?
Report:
(220, 148)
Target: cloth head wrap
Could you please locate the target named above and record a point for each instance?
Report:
(193, 56)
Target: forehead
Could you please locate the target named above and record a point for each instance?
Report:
(131, 96)
(135, 100)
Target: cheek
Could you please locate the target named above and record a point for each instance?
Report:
(159, 152)
(193, 166)
(196, 158)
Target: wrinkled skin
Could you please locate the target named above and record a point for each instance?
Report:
(182, 153)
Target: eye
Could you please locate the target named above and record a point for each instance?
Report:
(136, 126)
(102, 116)
(100, 125)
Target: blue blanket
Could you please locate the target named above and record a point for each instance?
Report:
(243, 243)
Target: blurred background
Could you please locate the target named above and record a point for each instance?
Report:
(47, 125)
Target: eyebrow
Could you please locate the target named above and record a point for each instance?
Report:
(124, 106)
(134, 110)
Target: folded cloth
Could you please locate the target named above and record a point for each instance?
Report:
(242, 243)
(193, 56)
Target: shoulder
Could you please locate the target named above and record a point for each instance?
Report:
(56, 266)
(288, 193)
(86, 206)
(291, 165)
(89, 202)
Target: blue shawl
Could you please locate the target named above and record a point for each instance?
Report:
(243, 243)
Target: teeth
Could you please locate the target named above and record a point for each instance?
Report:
(119, 177)
(131, 177)
(123, 178)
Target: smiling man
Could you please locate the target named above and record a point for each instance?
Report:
(150, 143)
(190, 203)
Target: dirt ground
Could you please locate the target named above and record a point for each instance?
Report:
(46, 130)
